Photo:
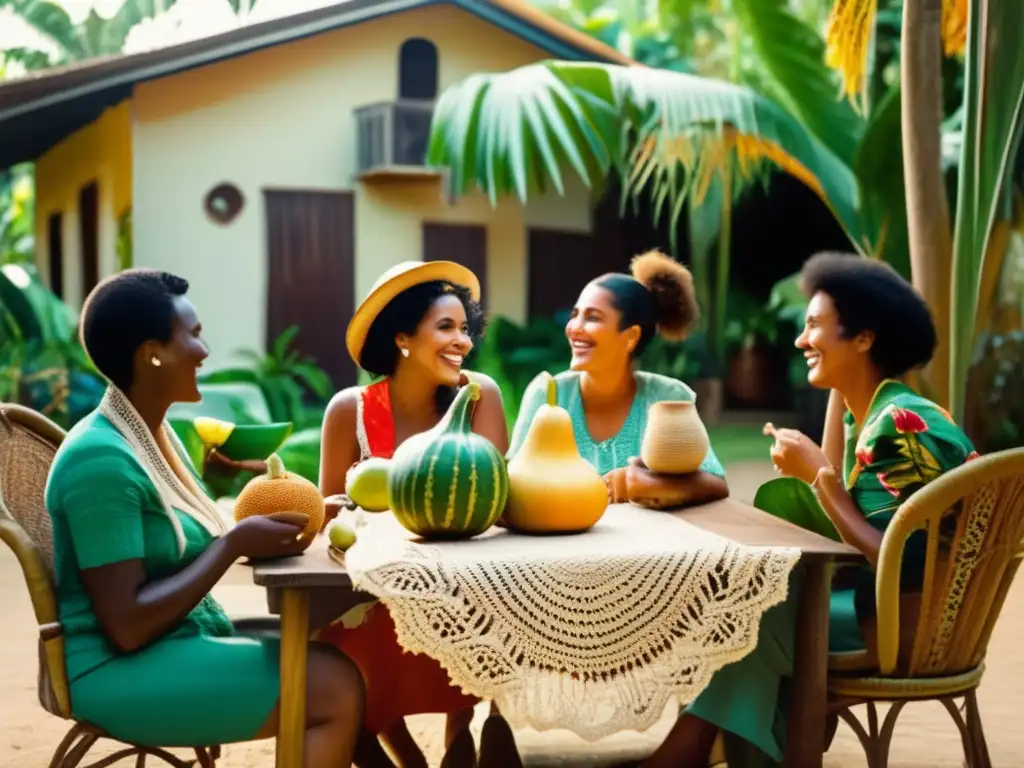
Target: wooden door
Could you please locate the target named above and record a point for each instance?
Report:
(465, 244)
(560, 264)
(310, 274)
(88, 234)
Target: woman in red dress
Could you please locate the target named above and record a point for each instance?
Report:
(415, 329)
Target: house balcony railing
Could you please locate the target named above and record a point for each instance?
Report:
(392, 138)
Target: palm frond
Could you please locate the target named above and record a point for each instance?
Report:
(663, 132)
(791, 62)
(52, 21)
(993, 125)
(130, 13)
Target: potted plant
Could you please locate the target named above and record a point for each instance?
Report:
(756, 372)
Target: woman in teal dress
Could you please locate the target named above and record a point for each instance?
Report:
(865, 328)
(151, 657)
(612, 322)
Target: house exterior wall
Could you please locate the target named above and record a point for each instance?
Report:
(283, 118)
(100, 152)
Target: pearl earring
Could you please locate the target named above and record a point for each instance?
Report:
(405, 352)
(155, 361)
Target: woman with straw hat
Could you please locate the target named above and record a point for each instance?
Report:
(414, 329)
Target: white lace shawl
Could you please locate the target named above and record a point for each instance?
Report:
(175, 493)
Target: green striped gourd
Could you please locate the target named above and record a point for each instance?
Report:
(449, 482)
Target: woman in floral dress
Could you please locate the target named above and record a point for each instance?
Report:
(865, 328)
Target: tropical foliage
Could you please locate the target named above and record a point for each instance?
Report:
(17, 215)
(68, 39)
(42, 364)
(672, 134)
(90, 37)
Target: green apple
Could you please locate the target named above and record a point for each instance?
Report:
(340, 535)
(367, 484)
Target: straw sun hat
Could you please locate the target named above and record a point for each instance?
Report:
(392, 283)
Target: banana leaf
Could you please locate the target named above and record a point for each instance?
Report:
(664, 132)
(36, 313)
(878, 163)
(791, 64)
(993, 122)
(301, 453)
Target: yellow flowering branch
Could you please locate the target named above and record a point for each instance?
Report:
(848, 37)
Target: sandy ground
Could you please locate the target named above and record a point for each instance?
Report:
(925, 735)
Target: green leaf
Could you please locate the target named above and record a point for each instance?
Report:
(793, 500)
(38, 314)
(993, 123)
(878, 164)
(115, 31)
(301, 453)
(52, 21)
(28, 58)
(791, 63)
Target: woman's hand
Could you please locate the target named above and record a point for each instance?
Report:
(333, 504)
(615, 481)
(794, 454)
(652, 490)
(220, 464)
(637, 484)
(267, 536)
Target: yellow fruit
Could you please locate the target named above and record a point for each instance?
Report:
(213, 432)
(340, 535)
(279, 491)
(551, 489)
(367, 484)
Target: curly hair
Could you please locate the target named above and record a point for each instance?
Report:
(869, 295)
(659, 297)
(403, 314)
(122, 313)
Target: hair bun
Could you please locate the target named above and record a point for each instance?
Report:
(671, 288)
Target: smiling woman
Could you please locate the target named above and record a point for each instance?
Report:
(614, 319)
(138, 545)
(865, 328)
(414, 329)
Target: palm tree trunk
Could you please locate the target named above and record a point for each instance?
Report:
(928, 223)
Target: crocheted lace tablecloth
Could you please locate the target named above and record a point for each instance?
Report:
(593, 632)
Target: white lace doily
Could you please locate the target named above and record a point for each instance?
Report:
(594, 632)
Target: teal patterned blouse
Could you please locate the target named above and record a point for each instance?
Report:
(616, 451)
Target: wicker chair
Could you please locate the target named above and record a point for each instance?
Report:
(965, 585)
(28, 442)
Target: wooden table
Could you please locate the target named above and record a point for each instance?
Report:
(311, 590)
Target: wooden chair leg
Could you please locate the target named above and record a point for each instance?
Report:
(977, 756)
(866, 737)
(77, 753)
(205, 758)
(141, 753)
(498, 743)
(831, 726)
(885, 735)
(461, 752)
(65, 745)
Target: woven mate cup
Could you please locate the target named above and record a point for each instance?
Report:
(675, 440)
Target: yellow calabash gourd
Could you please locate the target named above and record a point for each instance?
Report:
(551, 489)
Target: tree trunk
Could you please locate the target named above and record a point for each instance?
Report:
(928, 223)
